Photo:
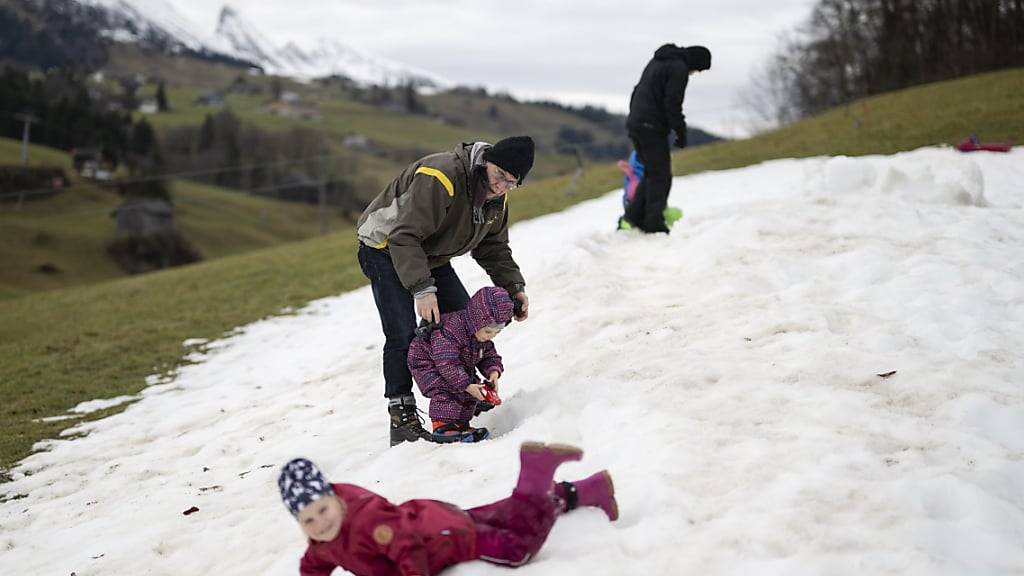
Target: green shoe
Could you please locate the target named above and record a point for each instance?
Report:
(672, 215)
(624, 224)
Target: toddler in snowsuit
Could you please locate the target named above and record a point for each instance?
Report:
(444, 364)
(364, 533)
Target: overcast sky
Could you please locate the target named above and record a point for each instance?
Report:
(571, 51)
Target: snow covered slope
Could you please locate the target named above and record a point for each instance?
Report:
(727, 375)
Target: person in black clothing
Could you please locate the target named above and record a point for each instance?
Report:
(655, 108)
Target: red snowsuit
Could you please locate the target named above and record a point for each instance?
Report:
(422, 537)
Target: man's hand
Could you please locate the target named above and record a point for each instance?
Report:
(525, 300)
(680, 139)
(476, 391)
(426, 307)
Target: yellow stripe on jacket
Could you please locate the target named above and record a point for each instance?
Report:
(440, 177)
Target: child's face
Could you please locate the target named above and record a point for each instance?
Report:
(487, 333)
(321, 519)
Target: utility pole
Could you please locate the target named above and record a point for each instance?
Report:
(28, 119)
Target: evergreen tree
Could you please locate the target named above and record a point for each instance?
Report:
(207, 133)
(161, 98)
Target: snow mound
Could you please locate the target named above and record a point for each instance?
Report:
(926, 180)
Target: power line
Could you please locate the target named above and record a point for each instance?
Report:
(250, 191)
(167, 176)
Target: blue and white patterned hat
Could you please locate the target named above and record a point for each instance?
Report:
(301, 482)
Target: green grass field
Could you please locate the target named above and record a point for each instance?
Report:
(390, 129)
(66, 346)
(70, 231)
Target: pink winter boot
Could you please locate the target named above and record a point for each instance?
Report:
(597, 491)
(537, 465)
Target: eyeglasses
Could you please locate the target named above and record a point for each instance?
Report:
(504, 179)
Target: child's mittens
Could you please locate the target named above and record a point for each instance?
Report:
(491, 394)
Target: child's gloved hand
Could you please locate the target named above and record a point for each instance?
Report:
(491, 389)
(491, 395)
(476, 391)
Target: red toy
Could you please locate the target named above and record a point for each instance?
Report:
(491, 395)
(971, 144)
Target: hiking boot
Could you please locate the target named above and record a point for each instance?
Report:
(537, 465)
(657, 226)
(450, 433)
(596, 491)
(406, 423)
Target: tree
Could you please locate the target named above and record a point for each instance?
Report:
(854, 48)
(410, 102)
(161, 98)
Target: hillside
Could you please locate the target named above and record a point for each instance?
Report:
(66, 234)
(61, 241)
(131, 316)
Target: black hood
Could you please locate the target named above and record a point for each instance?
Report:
(669, 51)
(696, 57)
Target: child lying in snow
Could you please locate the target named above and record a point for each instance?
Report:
(445, 363)
(363, 533)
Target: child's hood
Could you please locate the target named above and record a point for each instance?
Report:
(488, 306)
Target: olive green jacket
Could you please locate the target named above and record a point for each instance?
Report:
(424, 218)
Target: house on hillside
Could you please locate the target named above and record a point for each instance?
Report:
(292, 108)
(356, 141)
(92, 164)
(140, 216)
(149, 106)
(213, 99)
(147, 238)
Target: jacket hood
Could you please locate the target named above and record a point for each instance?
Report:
(472, 156)
(696, 57)
(669, 51)
(476, 152)
(488, 306)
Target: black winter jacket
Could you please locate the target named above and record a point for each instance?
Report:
(657, 101)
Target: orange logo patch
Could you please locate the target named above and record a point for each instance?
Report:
(383, 535)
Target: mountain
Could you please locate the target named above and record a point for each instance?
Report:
(156, 23)
(237, 36)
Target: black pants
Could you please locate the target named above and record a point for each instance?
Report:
(648, 206)
(398, 312)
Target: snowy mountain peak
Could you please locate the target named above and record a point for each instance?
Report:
(239, 38)
(226, 13)
(152, 21)
(157, 21)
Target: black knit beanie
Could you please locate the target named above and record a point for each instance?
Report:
(698, 57)
(513, 155)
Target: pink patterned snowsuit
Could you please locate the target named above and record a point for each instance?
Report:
(446, 364)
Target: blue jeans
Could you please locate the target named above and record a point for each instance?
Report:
(398, 312)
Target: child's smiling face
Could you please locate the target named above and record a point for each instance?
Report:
(321, 519)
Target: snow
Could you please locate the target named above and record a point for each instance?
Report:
(156, 15)
(238, 37)
(727, 375)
